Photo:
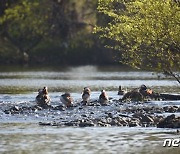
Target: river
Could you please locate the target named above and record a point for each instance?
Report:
(21, 133)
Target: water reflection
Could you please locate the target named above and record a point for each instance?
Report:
(88, 140)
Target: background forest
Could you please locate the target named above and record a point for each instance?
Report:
(51, 32)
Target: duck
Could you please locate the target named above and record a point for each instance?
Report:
(43, 99)
(120, 91)
(133, 95)
(103, 98)
(66, 99)
(138, 94)
(86, 95)
(145, 91)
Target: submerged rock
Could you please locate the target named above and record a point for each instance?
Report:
(20, 110)
(169, 122)
(144, 118)
(69, 124)
(14, 110)
(86, 124)
(133, 124)
(171, 109)
(169, 97)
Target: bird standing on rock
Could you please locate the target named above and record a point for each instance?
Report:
(66, 99)
(145, 91)
(103, 98)
(120, 91)
(138, 94)
(86, 95)
(43, 98)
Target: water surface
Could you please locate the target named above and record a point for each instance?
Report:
(21, 133)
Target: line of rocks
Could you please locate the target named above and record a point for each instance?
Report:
(135, 120)
(130, 109)
(131, 116)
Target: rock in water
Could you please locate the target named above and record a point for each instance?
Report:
(169, 97)
(170, 122)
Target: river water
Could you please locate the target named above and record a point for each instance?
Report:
(21, 133)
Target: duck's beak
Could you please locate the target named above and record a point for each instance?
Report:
(149, 91)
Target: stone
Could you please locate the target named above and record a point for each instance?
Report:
(109, 120)
(86, 124)
(83, 115)
(133, 124)
(169, 122)
(143, 118)
(69, 124)
(146, 118)
(170, 109)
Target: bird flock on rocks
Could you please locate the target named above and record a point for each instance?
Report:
(137, 94)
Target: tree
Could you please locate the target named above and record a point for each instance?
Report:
(30, 26)
(24, 24)
(147, 32)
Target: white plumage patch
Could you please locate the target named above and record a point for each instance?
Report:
(85, 97)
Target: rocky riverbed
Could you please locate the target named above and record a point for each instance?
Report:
(115, 113)
(119, 127)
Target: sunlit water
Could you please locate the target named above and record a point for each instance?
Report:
(22, 134)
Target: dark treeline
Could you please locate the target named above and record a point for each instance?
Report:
(51, 32)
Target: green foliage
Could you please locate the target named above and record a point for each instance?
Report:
(24, 24)
(49, 32)
(147, 32)
(26, 16)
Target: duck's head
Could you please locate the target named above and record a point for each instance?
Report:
(103, 91)
(86, 89)
(67, 94)
(120, 88)
(45, 90)
(143, 87)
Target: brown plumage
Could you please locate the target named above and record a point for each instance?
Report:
(103, 98)
(66, 99)
(43, 99)
(138, 94)
(86, 94)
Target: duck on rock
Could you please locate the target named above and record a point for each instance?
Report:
(138, 94)
(121, 91)
(43, 99)
(103, 98)
(86, 95)
(66, 99)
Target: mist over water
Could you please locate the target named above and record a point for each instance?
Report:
(74, 79)
(82, 72)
